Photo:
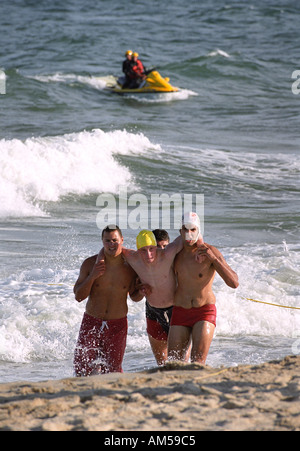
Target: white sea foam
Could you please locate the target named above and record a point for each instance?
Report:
(95, 82)
(39, 170)
(37, 317)
(247, 169)
(101, 83)
(267, 273)
(182, 94)
(219, 52)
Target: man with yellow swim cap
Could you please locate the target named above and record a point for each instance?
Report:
(154, 266)
(145, 238)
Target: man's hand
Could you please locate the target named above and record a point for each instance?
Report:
(203, 252)
(217, 260)
(89, 272)
(144, 289)
(98, 269)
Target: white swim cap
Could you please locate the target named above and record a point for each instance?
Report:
(191, 220)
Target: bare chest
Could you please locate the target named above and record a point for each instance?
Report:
(187, 268)
(114, 282)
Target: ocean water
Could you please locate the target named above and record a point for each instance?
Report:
(230, 134)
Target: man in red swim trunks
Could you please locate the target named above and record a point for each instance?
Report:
(106, 282)
(194, 311)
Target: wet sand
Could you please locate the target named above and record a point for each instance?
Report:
(177, 398)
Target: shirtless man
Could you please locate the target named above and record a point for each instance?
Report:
(154, 267)
(102, 337)
(194, 312)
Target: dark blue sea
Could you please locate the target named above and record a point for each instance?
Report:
(230, 136)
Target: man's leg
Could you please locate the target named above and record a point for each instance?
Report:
(114, 344)
(87, 347)
(178, 343)
(159, 349)
(158, 339)
(202, 335)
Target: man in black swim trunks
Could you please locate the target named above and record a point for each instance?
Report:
(154, 267)
(159, 319)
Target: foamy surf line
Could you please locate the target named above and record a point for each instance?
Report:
(101, 83)
(40, 170)
(182, 94)
(219, 52)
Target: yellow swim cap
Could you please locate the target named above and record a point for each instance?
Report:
(145, 238)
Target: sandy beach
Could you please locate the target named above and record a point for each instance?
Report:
(177, 398)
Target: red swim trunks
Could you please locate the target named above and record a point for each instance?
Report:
(189, 317)
(101, 346)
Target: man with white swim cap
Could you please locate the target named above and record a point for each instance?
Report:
(194, 312)
(190, 221)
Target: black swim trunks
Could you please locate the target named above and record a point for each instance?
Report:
(158, 321)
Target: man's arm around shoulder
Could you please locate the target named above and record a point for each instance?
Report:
(135, 293)
(129, 254)
(175, 247)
